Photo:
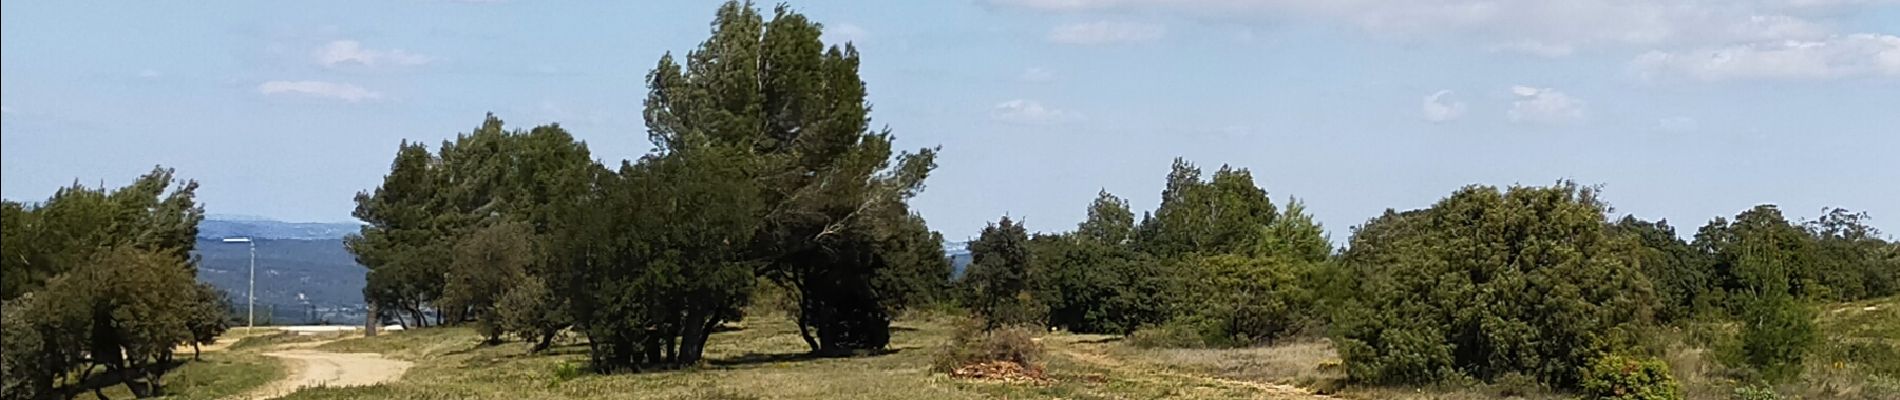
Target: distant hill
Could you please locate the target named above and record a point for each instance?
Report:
(218, 228)
(959, 253)
(300, 266)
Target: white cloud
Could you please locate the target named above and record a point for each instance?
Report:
(1544, 106)
(1544, 28)
(342, 52)
(1106, 32)
(1029, 111)
(1439, 107)
(1848, 56)
(1536, 48)
(1038, 75)
(339, 91)
(1678, 124)
(840, 33)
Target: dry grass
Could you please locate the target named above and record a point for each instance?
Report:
(764, 360)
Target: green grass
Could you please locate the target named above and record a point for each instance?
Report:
(215, 375)
(764, 359)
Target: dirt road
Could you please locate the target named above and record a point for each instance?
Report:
(305, 367)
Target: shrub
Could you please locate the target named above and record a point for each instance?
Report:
(1488, 282)
(971, 345)
(1777, 333)
(1174, 334)
(1754, 392)
(1628, 378)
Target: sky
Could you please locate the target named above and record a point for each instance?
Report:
(1684, 110)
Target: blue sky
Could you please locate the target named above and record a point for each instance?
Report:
(1685, 110)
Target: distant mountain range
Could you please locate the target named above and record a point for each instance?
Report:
(304, 265)
(222, 226)
(301, 266)
(959, 253)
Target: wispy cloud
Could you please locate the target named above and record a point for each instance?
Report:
(332, 90)
(1106, 32)
(1029, 111)
(1543, 28)
(346, 52)
(1848, 56)
(1544, 106)
(1037, 75)
(1440, 107)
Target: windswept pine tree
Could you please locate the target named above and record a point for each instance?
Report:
(833, 192)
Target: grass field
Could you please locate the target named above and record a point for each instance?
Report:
(763, 358)
(223, 372)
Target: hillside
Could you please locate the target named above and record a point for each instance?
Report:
(302, 268)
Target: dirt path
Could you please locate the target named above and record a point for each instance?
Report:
(305, 367)
(1271, 390)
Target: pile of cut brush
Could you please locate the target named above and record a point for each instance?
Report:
(1003, 371)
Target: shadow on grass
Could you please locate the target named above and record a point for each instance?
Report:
(749, 359)
(1110, 339)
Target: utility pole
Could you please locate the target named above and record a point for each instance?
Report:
(251, 292)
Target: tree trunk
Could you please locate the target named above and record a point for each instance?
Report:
(693, 337)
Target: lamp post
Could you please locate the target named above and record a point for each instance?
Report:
(251, 292)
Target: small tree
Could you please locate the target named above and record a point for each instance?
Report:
(531, 312)
(487, 263)
(997, 282)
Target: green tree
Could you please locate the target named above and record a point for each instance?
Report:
(1528, 280)
(1093, 280)
(1679, 273)
(997, 282)
(405, 254)
(1221, 215)
(831, 185)
(1853, 263)
(1766, 268)
(487, 263)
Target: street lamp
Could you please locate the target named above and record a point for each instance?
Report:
(251, 303)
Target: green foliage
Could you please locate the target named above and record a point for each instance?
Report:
(834, 189)
(103, 278)
(1626, 378)
(487, 263)
(997, 282)
(1093, 280)
(1777, 333)
(1854, 262)
(1220, 215)
(1677, 271)
(1243, 300)
(1486, 282)
(530, 311)
(1756, 392)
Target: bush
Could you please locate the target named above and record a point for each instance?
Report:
(1628, 378)
(1756, 393)
(1175, 334)
(1777, 333)
(1488, 282)
(971, 345)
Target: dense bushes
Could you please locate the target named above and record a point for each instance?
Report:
(103, 280)
(1489, 282)
(1624, 378)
